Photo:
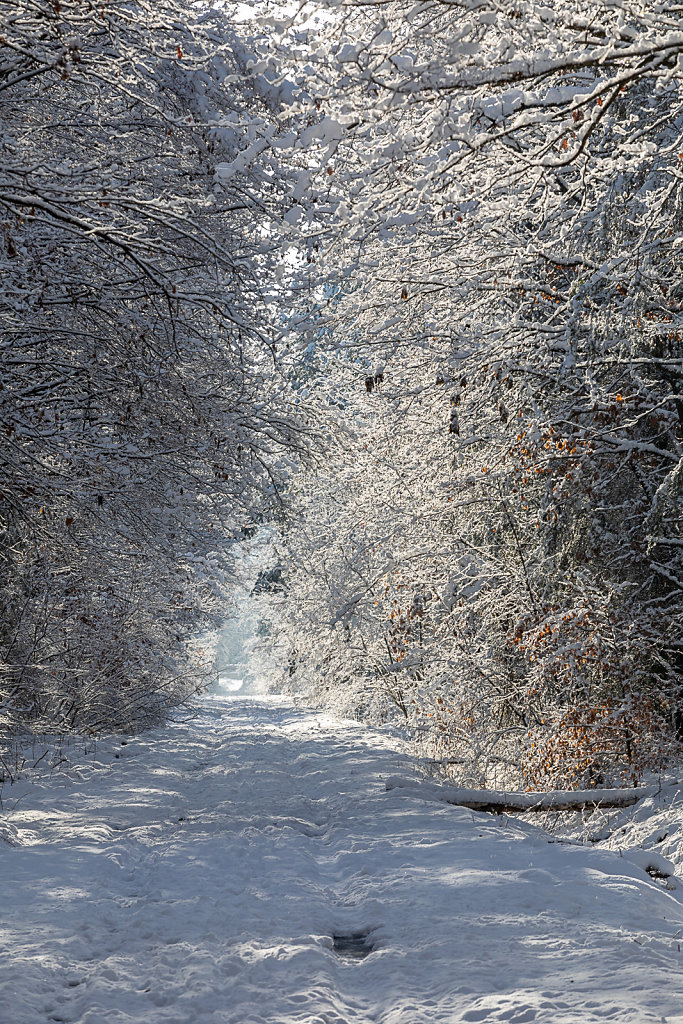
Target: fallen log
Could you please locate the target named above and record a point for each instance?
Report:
(502, 802)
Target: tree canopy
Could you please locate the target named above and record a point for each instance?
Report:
(499, 555)
(412, 274)
(143, 411)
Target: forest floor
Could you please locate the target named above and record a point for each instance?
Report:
(236, 867)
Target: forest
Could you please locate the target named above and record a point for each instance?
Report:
(399, 282)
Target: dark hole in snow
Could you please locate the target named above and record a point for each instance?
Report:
(355, 945)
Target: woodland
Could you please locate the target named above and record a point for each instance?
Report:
(399, 282)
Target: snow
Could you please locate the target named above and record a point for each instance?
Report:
(651, 829)
(242, 662)
(200, 873)
(483, 799)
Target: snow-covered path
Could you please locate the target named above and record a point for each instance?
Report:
(200, 876)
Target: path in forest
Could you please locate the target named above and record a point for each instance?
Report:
(200, 876)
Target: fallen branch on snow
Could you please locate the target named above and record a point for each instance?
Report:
(498, 801)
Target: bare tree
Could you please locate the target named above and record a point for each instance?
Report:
(143, 412)
(502, 197)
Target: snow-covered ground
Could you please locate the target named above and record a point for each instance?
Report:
(198, 874)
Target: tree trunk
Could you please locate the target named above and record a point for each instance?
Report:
(499, 802)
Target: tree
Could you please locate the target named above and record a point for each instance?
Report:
(143, 411)
(502, 205)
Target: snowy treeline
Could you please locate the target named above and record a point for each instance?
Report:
(433, 248)
(142, 410)
(494, 549)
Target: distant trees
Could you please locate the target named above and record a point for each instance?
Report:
(500, 553)
(142, 411)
